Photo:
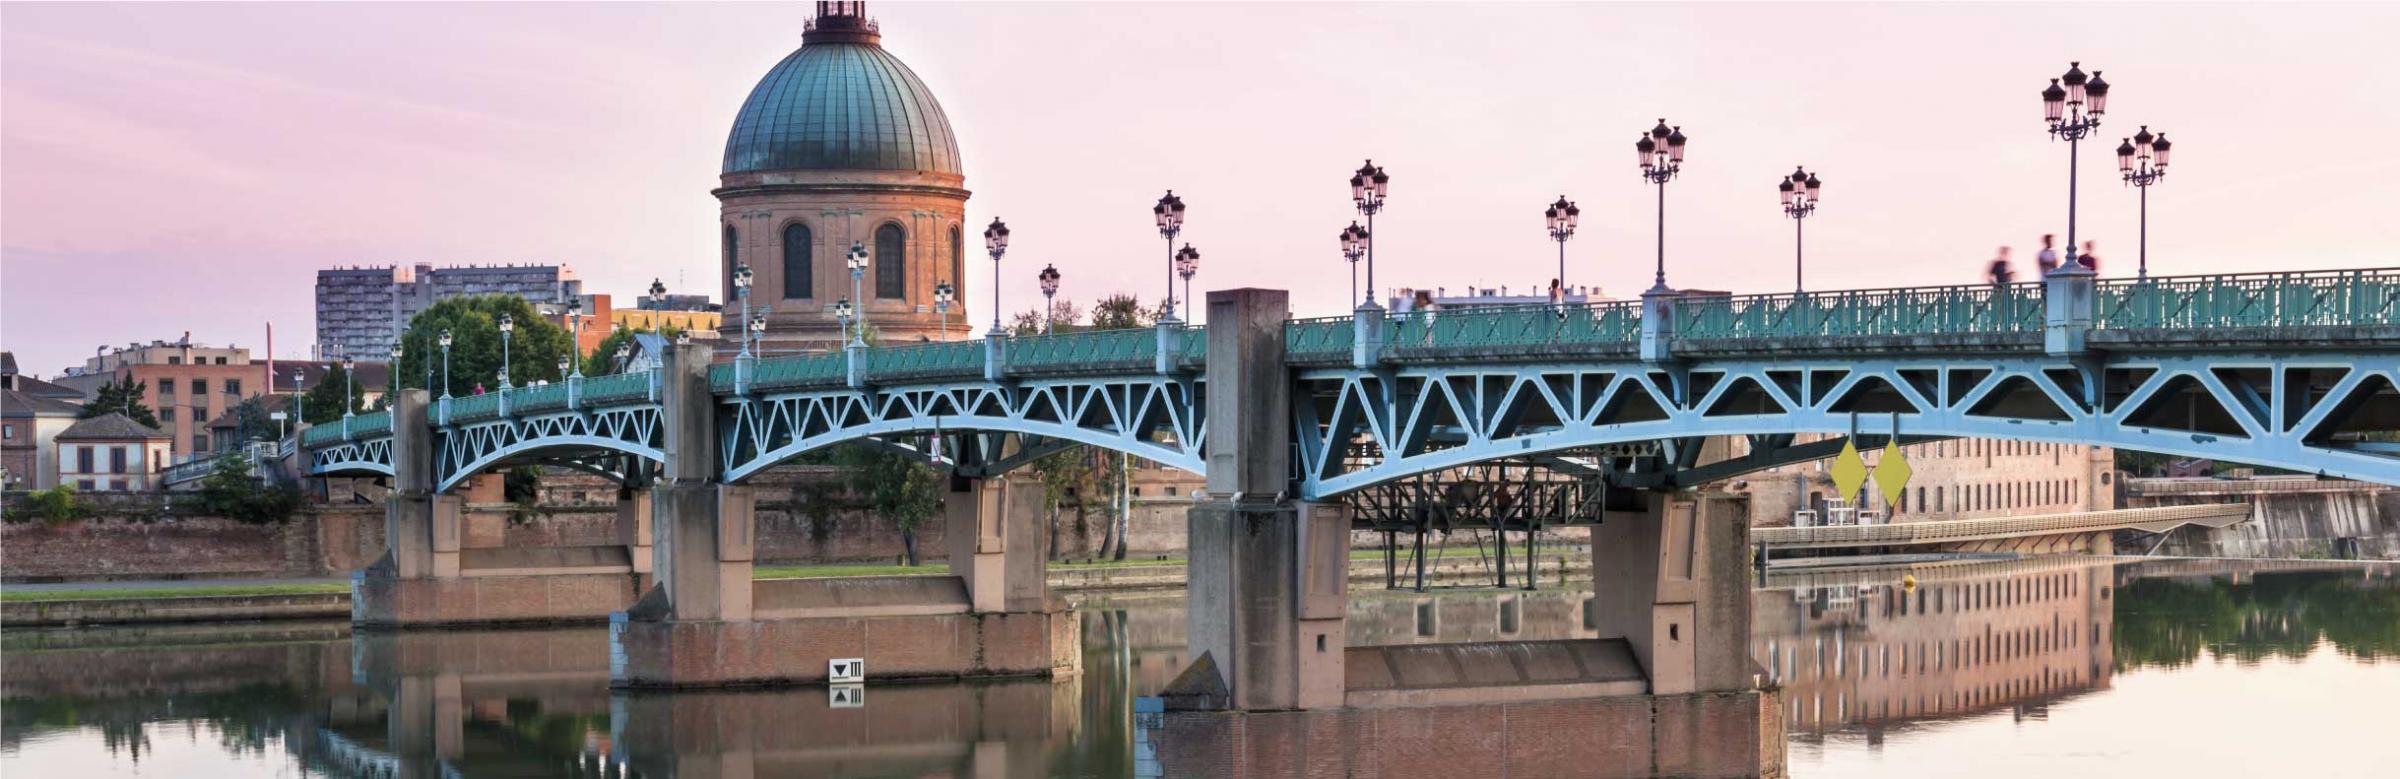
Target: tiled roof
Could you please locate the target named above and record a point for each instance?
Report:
(112, 426)
(19, 403)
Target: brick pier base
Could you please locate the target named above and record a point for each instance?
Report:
(385, 601)
(690, 653)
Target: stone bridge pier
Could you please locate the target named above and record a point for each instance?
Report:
(429, 576)
(1667, 688)
(707, 623)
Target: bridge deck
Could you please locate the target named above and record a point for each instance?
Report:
(1949, 531)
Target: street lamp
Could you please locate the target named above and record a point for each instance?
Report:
(841, 312)
(2143, 160)
(348, 366)
(1049, 279)
(1187, 263)
(658, 307)
(445, 363)
(1354, 246)
(1562, 217)
(562, 365)
(858, 274)
(1661, 152)
(2073, 105)
(1169, 214)
(1367, 189)
(758, 331)
(741, 289)
(574, 338)
(995, 240)
(508, 325)
(1799, 193)
(943, 293)
(392, 371)
(624, 356)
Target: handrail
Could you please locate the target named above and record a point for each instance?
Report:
(1906, 311)
(2290, 299)
(1996, 527)
(1606, 322)
(1083, 347)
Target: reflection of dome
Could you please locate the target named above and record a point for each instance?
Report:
(841, 103)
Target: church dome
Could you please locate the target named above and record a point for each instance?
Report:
(841, 102)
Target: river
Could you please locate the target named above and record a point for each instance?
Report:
(2043, 667)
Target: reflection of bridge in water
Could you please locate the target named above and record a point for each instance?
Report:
(1859, 647)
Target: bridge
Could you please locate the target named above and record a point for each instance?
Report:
(2077, 531)
(2286, 370)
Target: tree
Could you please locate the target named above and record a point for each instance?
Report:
(1120, 311)
(121, 397)
(231, 490)
(324, 402)
(251, 420)
(894, 487)
(603, 359)
(474, 324)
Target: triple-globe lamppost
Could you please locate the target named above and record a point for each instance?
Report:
(1354, 246)
(508, 327)
(574, 366)
(1049, 280)
(658, 307)
(2072, 105)
(349, 366)
(1168, 212)
(1799, 193)
(445, 362)
(1562, 217)
(1187, 264)
(2143, 161)
(995, 240)
(943, 294)
(1368, 186)
(741, 289)
(1661, 153)
(858, 276)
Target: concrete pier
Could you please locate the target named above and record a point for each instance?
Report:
(427, 576)
(707, 624)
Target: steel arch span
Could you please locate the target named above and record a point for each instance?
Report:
(359, 457)
(2301, 411)
(1155, 417)
(464, 450)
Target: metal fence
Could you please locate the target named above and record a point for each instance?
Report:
(1987, 308)
(2304, 298)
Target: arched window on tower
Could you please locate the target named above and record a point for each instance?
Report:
(732, 258)
(799, 262)
(958, 257)
(891, 262)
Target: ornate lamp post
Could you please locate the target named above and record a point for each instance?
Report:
(1187, 264)
(858, 275)
(1367, 189)
(574, 339)
(1354, 246)
(741, 289)
(2143, 160)
(1562, 217)
(658, 304)
(624, 356)
(508, 325)
(398, 350)
(1799, 193)
(349, 366)
(445, 364)
(2073, 104)
(995, 240)
(758, 331)
(841, 312)
(1169, 213)
(1661, 153)
(1049, 279)
(562, 365)
(943, 293)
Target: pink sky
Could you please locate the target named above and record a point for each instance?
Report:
(188, 167)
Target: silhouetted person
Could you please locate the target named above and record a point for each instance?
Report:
(2091, 261)
(2000, 272)
(2048, 259)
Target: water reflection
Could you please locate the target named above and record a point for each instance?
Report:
(1854, 651)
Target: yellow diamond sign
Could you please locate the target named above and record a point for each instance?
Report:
(1849, 471)
(1891, 474)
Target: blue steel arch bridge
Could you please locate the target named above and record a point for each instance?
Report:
(2286, 370)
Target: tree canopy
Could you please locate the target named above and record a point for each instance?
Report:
(893, 487)
(534, 348)
(323, 403)
(123, 396)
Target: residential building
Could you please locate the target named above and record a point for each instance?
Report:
(702, 324)
(361, 311)
(32, 414)
(591, 324)
(111, 453)
(187, 384)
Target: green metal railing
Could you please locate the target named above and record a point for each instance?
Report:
(793, 371)
(1087, 347)
(1320, 338)
(617, 388)
(1192, 345)
(2305, 298)
(546, 397)
(963, 358)
(1588, 324)
(1983, 308)
(470, 407)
